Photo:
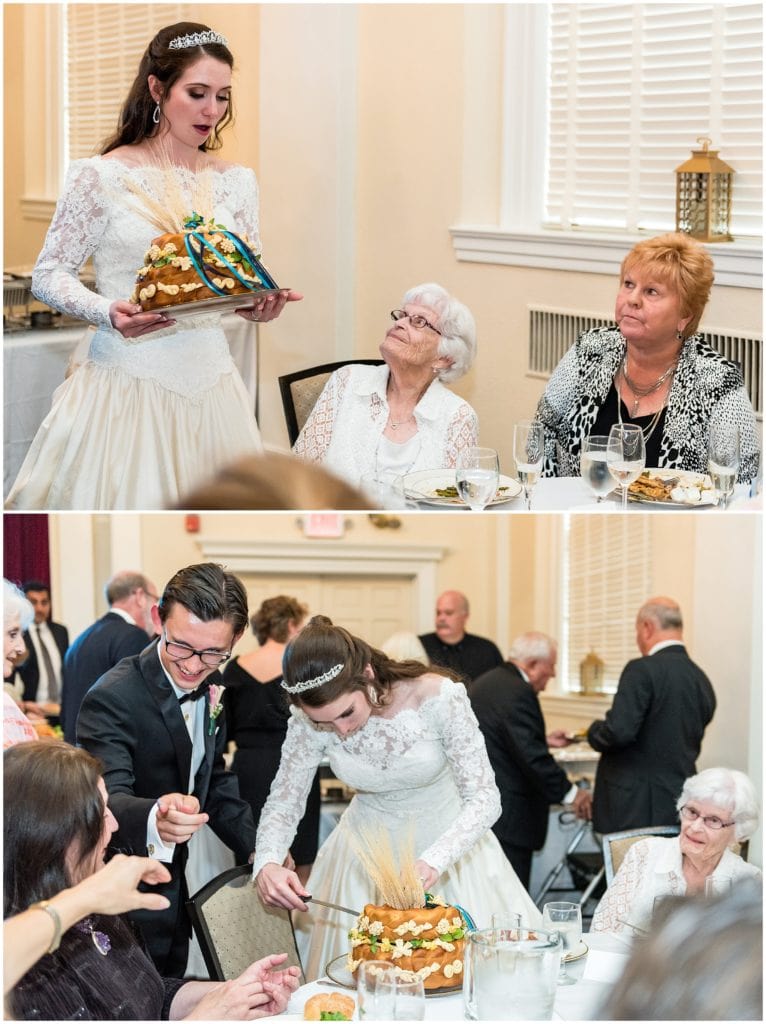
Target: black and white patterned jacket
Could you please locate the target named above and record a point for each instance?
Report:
(706, 388)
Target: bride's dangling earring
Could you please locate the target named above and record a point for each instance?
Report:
(156, 114)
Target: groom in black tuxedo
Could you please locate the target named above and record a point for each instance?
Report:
(153, 720)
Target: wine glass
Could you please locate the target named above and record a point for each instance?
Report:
(626, 456)
(375, 990)
(528, 452)
(566, 919)
(476, 476)
(723, 459)
(593, 466)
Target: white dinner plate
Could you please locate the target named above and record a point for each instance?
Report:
(681, 478)
(219, 304)
(337, 971)
(577, 953)
(422, 487)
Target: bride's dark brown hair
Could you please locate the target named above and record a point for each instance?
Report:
(136, 117)
(320, 646)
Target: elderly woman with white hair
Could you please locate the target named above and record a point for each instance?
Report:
(380, 422)
(718, 810)
(18, 615)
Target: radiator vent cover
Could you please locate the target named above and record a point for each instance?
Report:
(553, 331)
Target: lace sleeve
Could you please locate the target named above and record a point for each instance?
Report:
(462, 432)
(466, 752)
(76, 229)
(314, 440)
(613, 911)
(302, 752)
(244, 207)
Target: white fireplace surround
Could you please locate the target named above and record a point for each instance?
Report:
(417, 562)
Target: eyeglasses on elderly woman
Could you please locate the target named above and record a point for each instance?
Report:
(691, 814)
(415, 319)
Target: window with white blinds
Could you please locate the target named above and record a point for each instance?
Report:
(631, 88)
(103, 47)
(607, 577)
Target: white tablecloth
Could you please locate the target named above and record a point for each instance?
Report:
(604, 963)
(570, 494)
(35, 363)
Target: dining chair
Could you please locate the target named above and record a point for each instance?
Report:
(234, 928)
(300, 391)
(616, 844)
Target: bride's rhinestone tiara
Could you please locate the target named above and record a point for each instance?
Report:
(196, 39)
(310, 684)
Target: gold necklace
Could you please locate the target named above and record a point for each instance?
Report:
(651, 426)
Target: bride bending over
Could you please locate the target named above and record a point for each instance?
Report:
(407, 741)
(156, 407)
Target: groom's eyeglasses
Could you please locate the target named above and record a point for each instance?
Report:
(182, 652)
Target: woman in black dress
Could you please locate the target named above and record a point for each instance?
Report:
(256, 719)
(56, 829)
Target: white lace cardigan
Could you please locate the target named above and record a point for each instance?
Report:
(652, 867)
(346, 425)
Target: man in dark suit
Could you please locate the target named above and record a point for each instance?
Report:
(125, 630)
(47, 642)
(506, 703)
(651, 736)
(153, 720)
(452, 647)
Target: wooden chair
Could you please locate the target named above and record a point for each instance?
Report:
(234, 928)
(300, 391)
(616, 844)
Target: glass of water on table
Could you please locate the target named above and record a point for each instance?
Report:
(593, 467)
(476, 476)
(528, 452)
(566, 919)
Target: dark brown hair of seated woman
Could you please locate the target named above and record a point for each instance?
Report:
(274, 481)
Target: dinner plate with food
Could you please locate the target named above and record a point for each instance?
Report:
(676, 488)
(437, 487)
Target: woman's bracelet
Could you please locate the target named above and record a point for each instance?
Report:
(51, 911)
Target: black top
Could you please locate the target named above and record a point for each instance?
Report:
(77, 982)
(256, 712)
(607, 417)
(470, 658)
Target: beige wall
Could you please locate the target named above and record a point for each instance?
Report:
(373, 129)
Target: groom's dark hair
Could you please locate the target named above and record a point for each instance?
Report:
(209, 592)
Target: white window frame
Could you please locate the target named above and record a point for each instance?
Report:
(518, 239)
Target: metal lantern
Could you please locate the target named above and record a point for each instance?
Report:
(591, 673)
(703, 195)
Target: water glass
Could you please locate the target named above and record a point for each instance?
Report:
(566, 918)
(593, 465)
(375, 990)
(626, 456)
(528, 452)
(409, 998)
(510, 974)
(476, 476)
(723, 459)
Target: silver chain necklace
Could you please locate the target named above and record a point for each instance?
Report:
(642, 392)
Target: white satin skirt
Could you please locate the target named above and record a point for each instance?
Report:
(138, 428)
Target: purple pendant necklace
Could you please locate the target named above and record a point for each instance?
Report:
(100, 940)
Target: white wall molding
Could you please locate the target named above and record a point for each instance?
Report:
(737, 264)
(330, 558)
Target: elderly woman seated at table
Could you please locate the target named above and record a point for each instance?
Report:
(718, 810)
(56, 829)
(652, 369)
(379, 422)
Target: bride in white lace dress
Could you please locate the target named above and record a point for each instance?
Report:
(156, 407)
(407, 741)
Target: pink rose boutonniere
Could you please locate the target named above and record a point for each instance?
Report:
(215, 693)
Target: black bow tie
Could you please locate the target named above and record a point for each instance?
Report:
(195, 694)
